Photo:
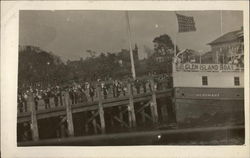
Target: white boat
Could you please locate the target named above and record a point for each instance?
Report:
(204, 92)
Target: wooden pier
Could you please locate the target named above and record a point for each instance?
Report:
(97, 117)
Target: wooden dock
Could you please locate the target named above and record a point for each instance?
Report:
(130, 110)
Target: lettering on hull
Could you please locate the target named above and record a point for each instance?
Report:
(209, 93)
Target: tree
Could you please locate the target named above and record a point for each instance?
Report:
(38, 66)
(161, 60)
(163, 44)
(91, 53)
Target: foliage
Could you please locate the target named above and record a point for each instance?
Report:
(161, 60)
(163, 44)
(39, 66)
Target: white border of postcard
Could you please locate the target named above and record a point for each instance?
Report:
(9, 61)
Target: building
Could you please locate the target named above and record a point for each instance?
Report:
(207, 58)
(189, 55)
(227, 46)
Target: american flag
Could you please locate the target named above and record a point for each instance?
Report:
(186, 23)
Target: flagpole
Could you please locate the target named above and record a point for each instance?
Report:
(220, 34)
(223, 59)
(217, 57)
(130, 46)
(200, 56)
(221, 22)
(175, 42)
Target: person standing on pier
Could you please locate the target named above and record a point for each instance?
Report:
(144, 85)
(71, 95)
(25, 97)
(84, 98)
(91, 92)
(118, 88)
(20, 103)
(46, 98)
(137, 86)
(124, 88)
(87, 86)
(114, 88)
(59, 94)
(36, 99)
(105, 91)
(75, 95)
(55, 96)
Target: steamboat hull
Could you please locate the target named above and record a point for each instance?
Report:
(209, 106)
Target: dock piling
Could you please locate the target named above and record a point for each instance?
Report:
(101, 111)
(131, 110)
(68, 114)
(33, 125)
(153, 105)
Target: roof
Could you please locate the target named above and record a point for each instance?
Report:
(228, 37)
(190, 51)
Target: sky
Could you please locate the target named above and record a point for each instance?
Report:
(69, 34)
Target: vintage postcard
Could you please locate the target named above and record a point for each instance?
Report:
(125, 79)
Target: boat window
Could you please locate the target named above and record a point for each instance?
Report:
(236, 81)
(204, 80)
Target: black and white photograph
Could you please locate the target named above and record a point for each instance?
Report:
(126, 78)
(130, 78)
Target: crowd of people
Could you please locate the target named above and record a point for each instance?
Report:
(87, 91)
